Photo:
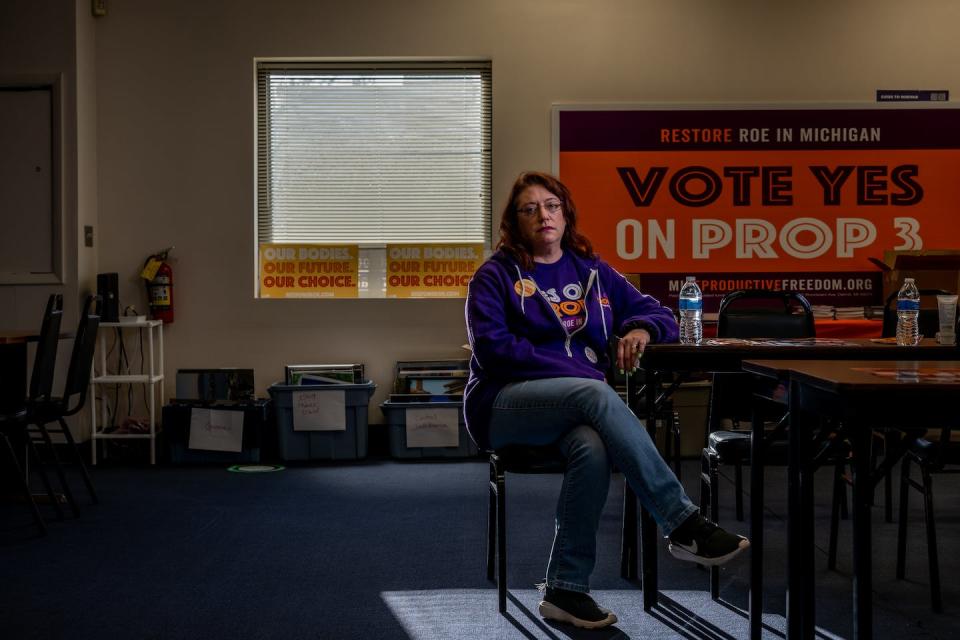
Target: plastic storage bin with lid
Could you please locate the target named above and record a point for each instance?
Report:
(427, 430)
(425, 411)
(322, 422)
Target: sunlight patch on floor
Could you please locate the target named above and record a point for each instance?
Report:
(472, 613)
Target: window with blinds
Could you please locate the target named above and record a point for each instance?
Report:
(373, 153)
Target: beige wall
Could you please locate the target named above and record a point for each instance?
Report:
(173, 134)
(86, 126)
(50, 39)
(39, 40)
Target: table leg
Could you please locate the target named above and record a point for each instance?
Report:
(808, 616)
(799, 548)
(756, 523)
(648, 546)
(628, 548)
(648, 528)
(862, 542)
(890, 444)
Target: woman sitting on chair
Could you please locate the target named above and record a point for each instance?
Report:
(540, 313)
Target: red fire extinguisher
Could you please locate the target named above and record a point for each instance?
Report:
(159, 276)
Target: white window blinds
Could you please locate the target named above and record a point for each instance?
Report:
(373, 153)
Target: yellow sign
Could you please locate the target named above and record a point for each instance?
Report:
(308, 271)
(431, 270)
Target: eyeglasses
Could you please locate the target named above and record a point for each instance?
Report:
(553, 207)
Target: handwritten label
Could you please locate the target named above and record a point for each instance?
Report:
(214, 430)
(438, 427)
(319, 411)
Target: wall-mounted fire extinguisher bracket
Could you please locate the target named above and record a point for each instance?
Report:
(158, 275)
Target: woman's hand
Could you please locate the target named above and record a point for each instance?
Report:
(630, 348)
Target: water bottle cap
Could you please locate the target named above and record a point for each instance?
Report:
(907, 280)
(691, 279)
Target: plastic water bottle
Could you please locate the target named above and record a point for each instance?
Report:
(908, 311)
(691, 312)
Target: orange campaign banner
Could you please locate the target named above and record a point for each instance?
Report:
(779, 198)
(308, 271)
(431, 270)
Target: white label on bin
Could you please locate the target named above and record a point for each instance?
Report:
(215, 430)
(319, 411)
(438, 427)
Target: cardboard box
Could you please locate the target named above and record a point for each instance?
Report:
(931, 269)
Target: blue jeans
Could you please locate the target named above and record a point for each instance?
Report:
(593, 428)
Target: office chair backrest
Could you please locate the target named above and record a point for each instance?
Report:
(44, 363)
(929, 318)
(753, 313)
(760, 313)
(78, 375)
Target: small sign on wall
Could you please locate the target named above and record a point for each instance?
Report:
(438, 427)
(912, 95)
(431, 270)
(308, 270)
(215, 430)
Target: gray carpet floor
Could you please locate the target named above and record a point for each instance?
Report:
(388, 549)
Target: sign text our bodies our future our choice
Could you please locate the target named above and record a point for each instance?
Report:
(424, 266)
(411, 270)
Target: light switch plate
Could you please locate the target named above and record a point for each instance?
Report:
(87, 235)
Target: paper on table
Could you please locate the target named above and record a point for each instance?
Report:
(891, 340)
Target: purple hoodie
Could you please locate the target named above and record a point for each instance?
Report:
(518, 337)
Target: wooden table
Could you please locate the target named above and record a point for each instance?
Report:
(727, 355)
(859, 396)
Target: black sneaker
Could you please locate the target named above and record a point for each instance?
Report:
(699, 540)
(574, 608)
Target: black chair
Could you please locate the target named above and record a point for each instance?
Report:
(13, 425)
(886, 440)
(748, 313)
(932, 455)
(531, 460)
(632, 388)
(760, 313)
(668, 417)
(73, 398)
(522, 459)
(755, 313)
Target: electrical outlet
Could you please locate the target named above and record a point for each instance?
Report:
(87, 235)
(98, 8)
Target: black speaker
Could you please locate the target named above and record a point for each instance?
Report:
(108, 290)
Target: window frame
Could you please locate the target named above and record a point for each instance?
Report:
(372, 256)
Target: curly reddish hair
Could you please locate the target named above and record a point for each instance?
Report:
(512, 241)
